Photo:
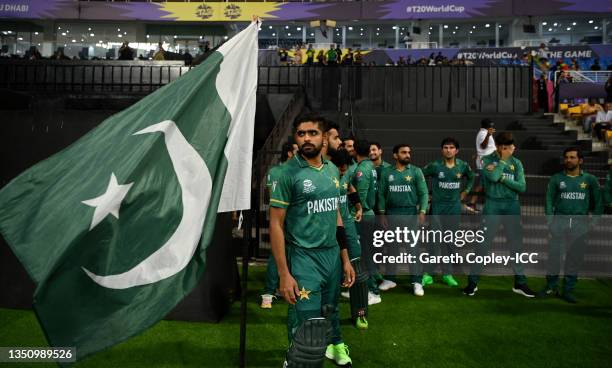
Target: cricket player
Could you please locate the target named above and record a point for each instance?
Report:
(607, 191)
(309, 244)
(504, 179)
(446, 175)
(569, 196)
(403, 194)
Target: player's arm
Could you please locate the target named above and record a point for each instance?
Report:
(347, 267)
(491, 172)
(551, 196)
(361, 181)
(422, 192)
(381, 194)
(469, 175)
(607, 191)
(353, 198)
(596, 197)
(429, 169)
(519, 185)
(279, 201)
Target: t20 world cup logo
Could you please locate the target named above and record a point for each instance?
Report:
(204, 11)
(232, 11)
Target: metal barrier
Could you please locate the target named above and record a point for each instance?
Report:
(89, 76)
(409, 89)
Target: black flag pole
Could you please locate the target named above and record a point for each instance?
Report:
(246, 243)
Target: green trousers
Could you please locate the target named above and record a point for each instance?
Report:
(317, 272)
(445, 216)
(404, 217)
(569, 235)
(495, 214)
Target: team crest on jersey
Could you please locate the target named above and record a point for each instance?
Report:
(458, 175)
(308, 186)
(562, 185)
(583, 185)
(358, 175)
(391, 178)
(441, 175)
(512, 167)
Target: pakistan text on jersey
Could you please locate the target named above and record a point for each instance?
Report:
(322, 205)
(400, 188)
(573, 195)
(449, 185)
(508, 176)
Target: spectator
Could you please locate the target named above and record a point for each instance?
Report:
(188, 58)
(596, 66)
(574, 64)
(141, 57)
(389, 62)
(603, 121)
(321, 58)
(297, 55)
(439, 58)
(284, 56)
(126, 52)
(310, 54)
(589, 114)
(543, 51)
(401, 61)
(59, 55)
(160, 54)
(338, 53)
(358, 58)
(609, 90)
(545, 89)
(485, 145)
(332, 56)
(33, 54)
(348, 58)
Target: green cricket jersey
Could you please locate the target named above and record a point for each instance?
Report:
(310, 196)
(383, 165)
(573, 195)
(365, 181)
(506, 181)
(272, 176)
(607, 191)
(402, 189)
(345, 183)
(446, 182)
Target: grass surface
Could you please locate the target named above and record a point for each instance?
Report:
(496, 328)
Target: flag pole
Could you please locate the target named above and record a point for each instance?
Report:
(246, 240)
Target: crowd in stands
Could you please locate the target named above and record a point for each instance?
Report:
(125, 52)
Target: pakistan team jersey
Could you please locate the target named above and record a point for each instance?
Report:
(272, 176)
(573, 195)
(446, 182)
(310, 196)
(402, 189)
(506, 181)
(365, 182)
(379, 168)
(345, 182)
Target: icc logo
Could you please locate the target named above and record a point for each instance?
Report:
(232, 11)
(204, 11)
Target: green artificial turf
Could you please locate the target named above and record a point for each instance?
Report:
(495, 328)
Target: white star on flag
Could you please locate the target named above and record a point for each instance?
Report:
(109, 202)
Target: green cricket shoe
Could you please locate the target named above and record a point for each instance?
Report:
(450, 280)
(427, 280)
(339, 353)
(361, 323)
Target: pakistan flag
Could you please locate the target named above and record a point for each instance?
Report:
(114, 228)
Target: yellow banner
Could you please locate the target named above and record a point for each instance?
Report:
(216, 12)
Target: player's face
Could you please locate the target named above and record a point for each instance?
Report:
(449, 151)
(375, 153)
(403, 155)
(309, 139)
(571, 160)
(333, 140)
(349, 145)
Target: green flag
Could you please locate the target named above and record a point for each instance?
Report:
(114, 228)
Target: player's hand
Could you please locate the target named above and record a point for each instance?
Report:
(422, 218)
(382, 221)
(491, 131)
(358, 215)
(463, 195)
(490, 167)
(289, 289)
(349, 274)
